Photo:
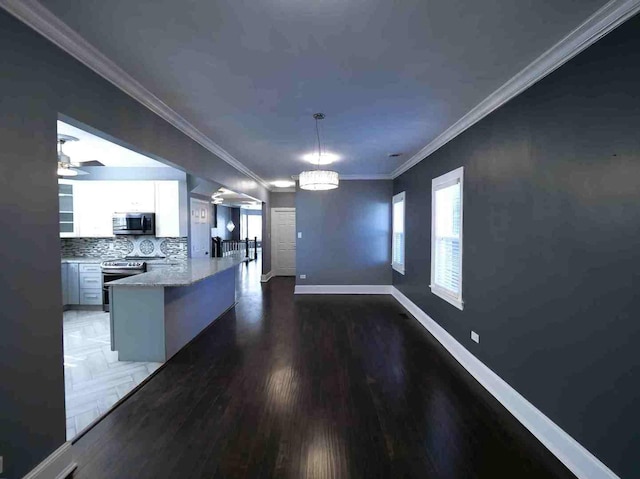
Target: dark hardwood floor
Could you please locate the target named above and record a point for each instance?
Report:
(312, 387)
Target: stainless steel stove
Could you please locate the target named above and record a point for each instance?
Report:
(118, 269)
(123, 265)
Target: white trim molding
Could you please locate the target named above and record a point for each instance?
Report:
(448, 179)
(569, 451)
(38, 17)
(343, 289)
(603, 21)
(58, 465)
(366, 177)
(374, 176)
(266, 277)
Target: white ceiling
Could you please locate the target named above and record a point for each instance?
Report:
(90, 147)
(240, 200)
(390, 75)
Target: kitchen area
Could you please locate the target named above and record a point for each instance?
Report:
(138, 279)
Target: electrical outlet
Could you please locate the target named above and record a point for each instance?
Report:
(303, 276)
(475, 336)
(299, 234)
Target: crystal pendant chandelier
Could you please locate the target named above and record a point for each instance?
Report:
(318, 180)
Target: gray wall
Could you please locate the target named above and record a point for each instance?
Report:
(224, 216)
(345, 234)
(38, 83)
(551, 234)
(283, 200)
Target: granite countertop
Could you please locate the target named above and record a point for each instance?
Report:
(85, 259)
(183, 274)
(152, 261)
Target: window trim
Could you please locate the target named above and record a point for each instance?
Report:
(448, 179)
(400, 268)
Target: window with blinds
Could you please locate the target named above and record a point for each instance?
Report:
(397, 242)
(446, 237)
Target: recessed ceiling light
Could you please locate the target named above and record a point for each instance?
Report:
(325, 159)
(283, 183)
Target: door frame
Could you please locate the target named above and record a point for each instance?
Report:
(274, 238)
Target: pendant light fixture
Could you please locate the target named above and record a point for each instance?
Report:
(318, 179)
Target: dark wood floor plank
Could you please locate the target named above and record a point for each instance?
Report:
(312, 387)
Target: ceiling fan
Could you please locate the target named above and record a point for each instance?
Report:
(65, 166)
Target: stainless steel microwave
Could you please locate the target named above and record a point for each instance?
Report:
(134, 224)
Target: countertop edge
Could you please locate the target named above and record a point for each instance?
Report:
(125, 283)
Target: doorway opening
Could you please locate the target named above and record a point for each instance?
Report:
(116, 206)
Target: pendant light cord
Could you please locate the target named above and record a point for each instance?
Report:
(319, 152)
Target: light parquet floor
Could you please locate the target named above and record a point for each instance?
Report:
(94, 378)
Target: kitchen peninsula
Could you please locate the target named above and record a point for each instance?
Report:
(154, 314)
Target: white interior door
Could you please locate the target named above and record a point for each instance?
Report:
(200, 229)
(283, 235)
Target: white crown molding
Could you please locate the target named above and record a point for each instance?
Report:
(55, 30)
(595, 27)
(569, 451)
(356, 177)
(366, 177)
(283, 190)
(343, 289)
(58, 465)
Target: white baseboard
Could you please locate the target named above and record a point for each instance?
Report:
(266, 277)
(573, 455)
(58, 465)
(343, 289)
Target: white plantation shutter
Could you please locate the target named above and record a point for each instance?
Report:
(397, 243)
(446, 237)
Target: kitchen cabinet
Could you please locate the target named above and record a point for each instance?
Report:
(95, 202)
(91, 296)
(126, 196)
(82, 284)
(66, 208)
(94, 209)
(64, 277)
(171, 210)
(73, 284)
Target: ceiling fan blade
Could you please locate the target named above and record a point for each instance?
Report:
(90, 163)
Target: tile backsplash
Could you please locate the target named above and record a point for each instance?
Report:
(120, 246)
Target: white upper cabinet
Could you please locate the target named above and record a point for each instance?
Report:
(170, 208)
(95, 202)
(68, 223)
(128, 196)
(94, 209)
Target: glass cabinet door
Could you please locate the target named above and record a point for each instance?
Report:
(65, 199)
